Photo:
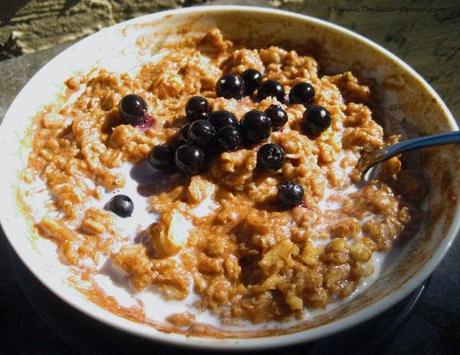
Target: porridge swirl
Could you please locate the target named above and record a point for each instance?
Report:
(220, 233)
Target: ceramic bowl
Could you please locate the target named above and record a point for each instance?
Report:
(404, 100)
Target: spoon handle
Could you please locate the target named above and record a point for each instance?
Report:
(422, 142)
(367, 161)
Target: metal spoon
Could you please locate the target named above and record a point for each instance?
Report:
(368, 161)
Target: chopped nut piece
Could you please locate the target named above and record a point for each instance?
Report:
(92, 227)
(169, 235)
(277, 254)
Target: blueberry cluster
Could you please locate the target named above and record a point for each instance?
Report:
(220, 131)
(251, 83)
(208, 132)
(316, 118)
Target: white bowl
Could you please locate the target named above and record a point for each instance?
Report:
(404, 98)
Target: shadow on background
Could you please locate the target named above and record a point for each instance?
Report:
(8, 8)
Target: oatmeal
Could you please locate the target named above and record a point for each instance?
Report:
(250, 200)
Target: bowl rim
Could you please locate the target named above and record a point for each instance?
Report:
(270, 341)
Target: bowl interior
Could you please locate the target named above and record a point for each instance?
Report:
(404, 100)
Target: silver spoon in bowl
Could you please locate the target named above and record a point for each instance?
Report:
(368, 161)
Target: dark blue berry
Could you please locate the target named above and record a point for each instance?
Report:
(252, 79)
(290, 194)
(197, 108)
(316, 120)
(183, 134)
(302, 93)
(133, 110)
(270, 88)
(121, 205)
(229, 138)
(221, 119)
(270, 156)
(255, 126)
(277, 115)
(230, 86)
(161, 156)
(190, 159)
(201, 132)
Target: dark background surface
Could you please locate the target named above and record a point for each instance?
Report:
(36, 322)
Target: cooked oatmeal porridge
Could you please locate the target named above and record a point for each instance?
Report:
(217, 177)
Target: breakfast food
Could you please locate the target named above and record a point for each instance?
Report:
(250, 204)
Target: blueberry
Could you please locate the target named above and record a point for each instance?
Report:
(190, 159)
(252, 79)
(230, 86)
(315, 121)
(277, 115)
(133, 110)
(270, 156)
(201, 132)
(161, 156)
(121, 205)
(221, 119)
(182, 136)
(290, 194)
(197, 108)
(256, 126)
(302, 93)
(229, 138)
(270, 88)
